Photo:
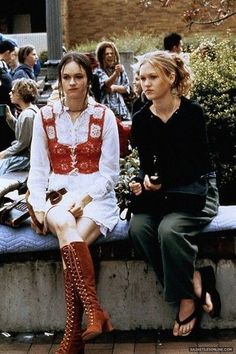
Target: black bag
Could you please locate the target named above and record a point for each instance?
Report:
(187, 198)
(13, 212)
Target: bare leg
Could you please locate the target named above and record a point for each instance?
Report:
(197, 283)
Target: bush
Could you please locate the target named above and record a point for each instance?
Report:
(214, 72)
(128, 169)
(43, 57)
(137, 42)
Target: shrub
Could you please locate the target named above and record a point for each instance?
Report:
(43, 57)
(214, 75)
(128, 169)
(137, 42)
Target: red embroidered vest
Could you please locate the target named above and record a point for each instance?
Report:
(82, 158)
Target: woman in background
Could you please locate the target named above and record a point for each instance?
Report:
(114, 82)
(27, 57)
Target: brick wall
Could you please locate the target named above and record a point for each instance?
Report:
(96, 19)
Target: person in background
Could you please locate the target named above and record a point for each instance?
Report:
(173, 43)
(7, 49)
(114, 81)
(14, 63)
(37, 68)
(140, 98)
(170, 135)
(27, 57)
(17, 156)
(6, 38)
(95, 85)
(75, 156)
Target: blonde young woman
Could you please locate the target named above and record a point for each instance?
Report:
(17, 156)
(75, 150)
(170, 134)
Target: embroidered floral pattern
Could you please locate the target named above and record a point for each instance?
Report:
(95, 131)
(51, 132)
(47, 112)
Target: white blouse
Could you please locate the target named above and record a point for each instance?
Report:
(98, 184)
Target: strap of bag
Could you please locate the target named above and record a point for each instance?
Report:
(31, 212)
(7, 186)
(54, 196)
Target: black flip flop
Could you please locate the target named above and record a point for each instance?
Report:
(196, 314)
(209, 286)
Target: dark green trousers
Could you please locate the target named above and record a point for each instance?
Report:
(165, 243)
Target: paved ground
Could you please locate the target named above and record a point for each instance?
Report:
(131, 342)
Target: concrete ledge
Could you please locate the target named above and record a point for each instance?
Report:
(32, 296)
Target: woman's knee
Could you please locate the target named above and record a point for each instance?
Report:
(169, 229)
(140, 227)
(137, 226)
(60, 220)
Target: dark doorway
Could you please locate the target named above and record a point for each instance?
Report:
(23, 16)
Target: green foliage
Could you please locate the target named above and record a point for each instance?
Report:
(43, 57)
(128, 169)
(137, 42)
(214, 70)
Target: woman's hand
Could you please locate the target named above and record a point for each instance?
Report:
(77, 208)
(150, 186)
(119, 68)
(2, 155)
(135, 187)
(40, 217)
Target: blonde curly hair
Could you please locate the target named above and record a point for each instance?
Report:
(169, 63)
(26, 88)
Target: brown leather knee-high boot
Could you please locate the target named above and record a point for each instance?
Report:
(78, 260)
(72, 342)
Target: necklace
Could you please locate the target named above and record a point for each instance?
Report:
(85, 105)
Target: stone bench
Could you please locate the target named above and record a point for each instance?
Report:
(32, 295)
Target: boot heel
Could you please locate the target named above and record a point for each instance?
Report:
(107, 327)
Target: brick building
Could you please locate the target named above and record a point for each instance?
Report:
(96, 19)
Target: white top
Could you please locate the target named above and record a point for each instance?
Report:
(99, 185)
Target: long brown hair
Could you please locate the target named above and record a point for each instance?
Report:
(100, 51)
(81, 60)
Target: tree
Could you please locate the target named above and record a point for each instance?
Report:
(205, 12)
(202, 12)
